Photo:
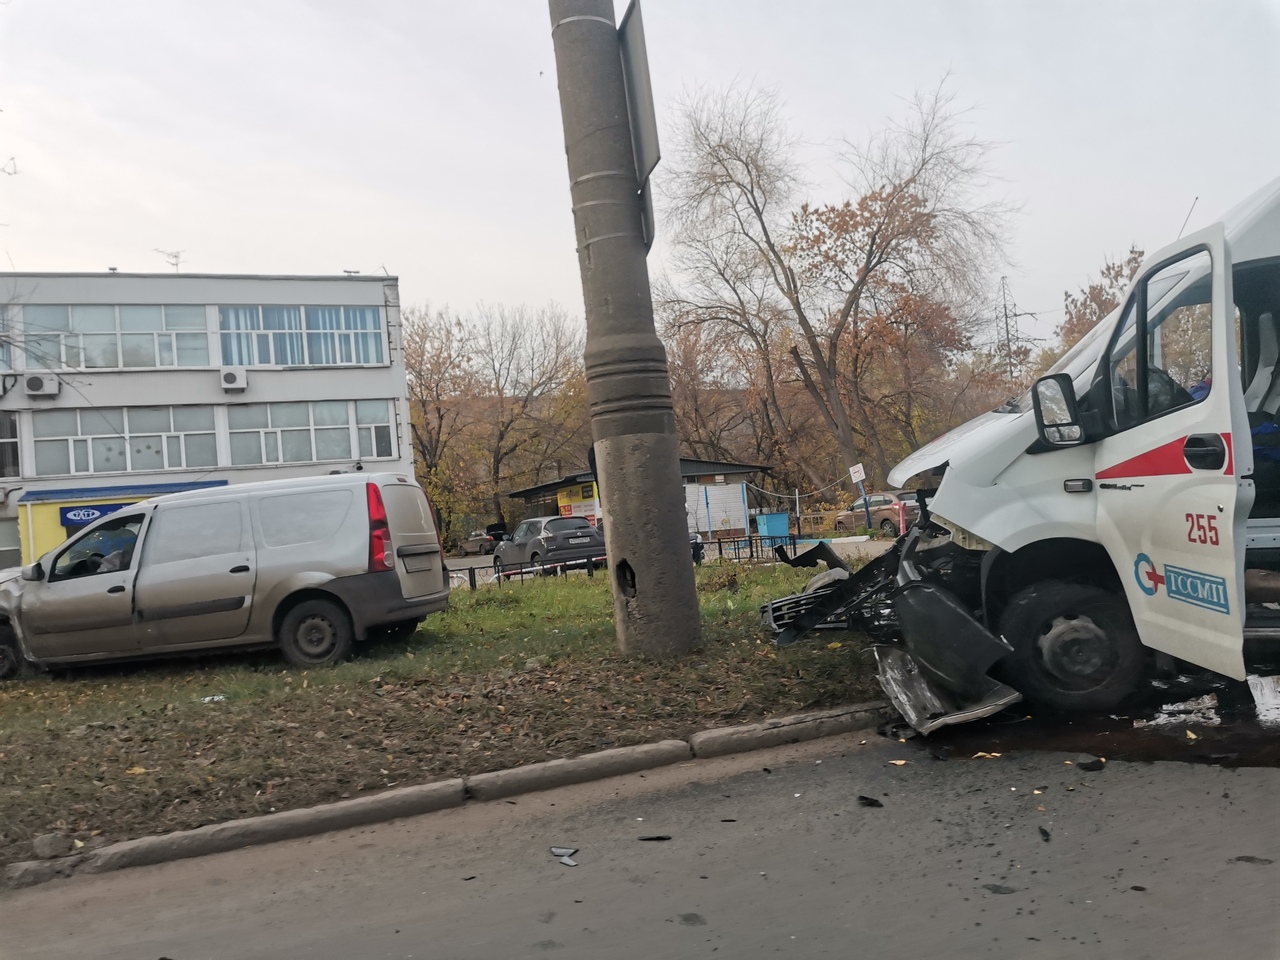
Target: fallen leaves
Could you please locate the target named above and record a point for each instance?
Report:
(456, 708)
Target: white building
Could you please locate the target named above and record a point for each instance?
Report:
(115, 387)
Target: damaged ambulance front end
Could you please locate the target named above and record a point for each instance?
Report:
(1097, 521)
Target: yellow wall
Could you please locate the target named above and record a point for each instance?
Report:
(40, 527)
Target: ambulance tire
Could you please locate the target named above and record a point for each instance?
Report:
(1075, 647)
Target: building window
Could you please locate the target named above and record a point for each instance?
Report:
(277, 336)
(108, 337)
(6, 338)
(344, 335)
(301, 432)
(116, 439)
(9, 466)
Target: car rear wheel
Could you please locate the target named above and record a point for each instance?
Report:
(315, 633)
(889, 528)
(1074, 647)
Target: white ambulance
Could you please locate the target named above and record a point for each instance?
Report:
(1126, 509)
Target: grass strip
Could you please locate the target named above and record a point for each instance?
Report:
(510, 675)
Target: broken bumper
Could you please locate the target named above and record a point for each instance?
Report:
(935, 669)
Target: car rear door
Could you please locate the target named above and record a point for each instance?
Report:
(414, 539)
(1172, 501)
(196, 581)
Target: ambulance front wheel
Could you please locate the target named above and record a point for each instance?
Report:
(1075, 647)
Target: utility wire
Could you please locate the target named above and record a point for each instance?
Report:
(792, 496)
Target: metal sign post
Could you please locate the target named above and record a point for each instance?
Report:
(858, 474)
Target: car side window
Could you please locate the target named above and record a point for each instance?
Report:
(1162, 355)
(193, 531)
(524, 533)
(104, 549)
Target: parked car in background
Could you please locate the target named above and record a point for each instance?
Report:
(478, 543)
(546, 540)
(892, 511)
(311, 565)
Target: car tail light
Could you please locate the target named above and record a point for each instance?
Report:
(381, 556)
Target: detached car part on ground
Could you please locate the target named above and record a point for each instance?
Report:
(1125, 510)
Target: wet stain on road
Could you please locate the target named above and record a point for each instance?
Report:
(1238, 740)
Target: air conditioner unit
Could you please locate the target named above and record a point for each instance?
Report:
(234, 378)
(41, 385)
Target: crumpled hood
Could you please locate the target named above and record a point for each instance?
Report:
(937, 452)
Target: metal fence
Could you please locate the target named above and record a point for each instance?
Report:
(473, 577)
(752, 549)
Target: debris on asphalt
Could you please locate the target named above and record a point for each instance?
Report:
(869, 802)
(563, 851)
(998, 888)
(1044, 834)
(568, 861)
(1266, 699)
(465, 879)
(898, 730)
(1139, 888)
(983, 755)
(1199, 710)
(766, 770)
(728, 820)
(1257, 861)
(899, 763)
(1191, 736)
(1094, 765)
(216, 698)
(657, 836)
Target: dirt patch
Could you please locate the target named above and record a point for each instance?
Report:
(509, 676)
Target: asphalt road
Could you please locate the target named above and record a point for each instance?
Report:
(771, 854)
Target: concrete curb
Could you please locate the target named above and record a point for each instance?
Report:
(592, 766)
(426, 798)
(772, 733)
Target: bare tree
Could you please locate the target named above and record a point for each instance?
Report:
(899, 265)
(523, 360)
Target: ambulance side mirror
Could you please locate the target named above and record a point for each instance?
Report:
(1057, 418)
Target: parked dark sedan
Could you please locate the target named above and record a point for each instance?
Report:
(477, 542)
(547, 540)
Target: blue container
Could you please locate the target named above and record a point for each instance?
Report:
(773, 524)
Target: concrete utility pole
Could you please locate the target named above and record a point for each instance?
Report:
(632, 421)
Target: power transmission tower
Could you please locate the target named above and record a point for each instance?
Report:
(1013, 338)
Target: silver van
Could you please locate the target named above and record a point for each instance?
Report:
(309, 564)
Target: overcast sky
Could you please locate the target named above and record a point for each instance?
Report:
(424, 137)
